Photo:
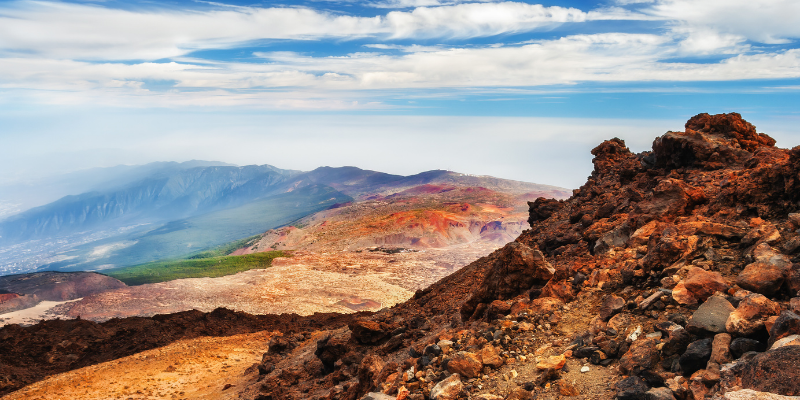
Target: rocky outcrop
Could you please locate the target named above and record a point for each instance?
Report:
(516, 269)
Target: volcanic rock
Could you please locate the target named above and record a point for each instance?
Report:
(762, 278)
(702, 284)
(611, 306)
(696, 356)
(660, 393)
(516, 268)
(721, 349)
(787, 324)
(751, 314)
(447, 389)
(370, 332)
(490, 356)
(465, 364)
(711, 316)
(739, 346)
(641, 356)
(774, 371)
(631, 388)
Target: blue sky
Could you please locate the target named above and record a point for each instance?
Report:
(515, 89)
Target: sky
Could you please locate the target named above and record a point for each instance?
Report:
(516, 89)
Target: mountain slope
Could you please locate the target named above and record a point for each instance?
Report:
(165, 195)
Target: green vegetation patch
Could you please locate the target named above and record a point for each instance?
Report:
(212, 267)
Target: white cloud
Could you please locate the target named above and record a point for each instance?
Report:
(288, 80)
(708, 26)
(64, 30)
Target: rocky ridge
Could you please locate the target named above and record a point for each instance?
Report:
(673, 271)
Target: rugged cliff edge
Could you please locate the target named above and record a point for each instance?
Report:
(671, 274)
(682, 260)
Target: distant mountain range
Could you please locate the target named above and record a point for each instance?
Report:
(167, 210)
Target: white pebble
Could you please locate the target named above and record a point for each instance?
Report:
(584, 369)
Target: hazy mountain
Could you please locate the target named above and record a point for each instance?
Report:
(167, 192)
(167, 210)
(19, 196)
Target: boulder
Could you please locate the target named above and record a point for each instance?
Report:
(331, 348)
(515, 269)
(793, 340)
(696, 356)
(710, 316)
(721, 349)
(448, 389)
(739, 346)
(761, 277)
(787, 324)
(793, 280)
(611, 306)
(774, 371)
(703, 284)
(751, 314)
(370, 332)
(631, 388)
(676, 342)
(465, 364)
(794, 305)
(641, 356)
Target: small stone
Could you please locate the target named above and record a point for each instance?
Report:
(703, 284)
(490, 356)
(466, 364)
(585, 369)
(721, 349)
(696, 356)
(552, 362)
(566, 388)
(642, 355)
(448, 389)
(611, 306)
(660, 393)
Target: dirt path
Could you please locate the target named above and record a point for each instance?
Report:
(189, 369)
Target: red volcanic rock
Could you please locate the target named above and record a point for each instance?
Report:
(641, 356)
(762, 278)
(730, 126)
(773, 371)
(787, 324)
(465, 363)
(710, 142)
(702, 284)
(497, 308)
(490, 356)
(370, 332)
(516, 269)
(751, 315)
(542, 208)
